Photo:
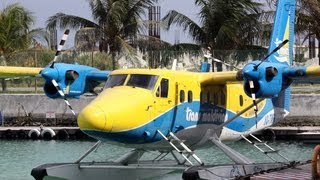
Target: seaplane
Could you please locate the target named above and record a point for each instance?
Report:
(175, 112)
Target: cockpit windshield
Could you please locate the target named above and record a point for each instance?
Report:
(115, 80)
(142, 81)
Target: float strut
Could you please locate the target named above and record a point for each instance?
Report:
(89, 151)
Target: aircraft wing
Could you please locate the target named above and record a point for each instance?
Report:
(219, 78)
(302, 74)
(12, 71)
(298, 74)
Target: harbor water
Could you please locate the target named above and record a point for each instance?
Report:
(18, 157)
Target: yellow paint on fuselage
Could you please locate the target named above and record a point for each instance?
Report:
(127, 107)
(237, 100)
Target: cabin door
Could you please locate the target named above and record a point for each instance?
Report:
(164, 103)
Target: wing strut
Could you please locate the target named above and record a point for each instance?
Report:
(240, 113)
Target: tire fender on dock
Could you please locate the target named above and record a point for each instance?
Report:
(34, 134)
(47, 133)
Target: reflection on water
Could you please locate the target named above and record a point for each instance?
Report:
(17, 158)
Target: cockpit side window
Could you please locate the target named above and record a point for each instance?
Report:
(163, 89)
(143, 81)
(116, 80)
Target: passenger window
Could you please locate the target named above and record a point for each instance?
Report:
(208, 97)
(241, 100)
(201, 98)
(215, 99)
(163, 89)
(189, 96)
(182, 96)
(223, 99)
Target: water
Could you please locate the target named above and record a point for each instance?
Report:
(17, 158)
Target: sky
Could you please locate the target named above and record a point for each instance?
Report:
(43, 9)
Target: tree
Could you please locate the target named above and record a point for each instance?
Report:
(308, 19)
(115, 22)
(15, 33)
(224, 25)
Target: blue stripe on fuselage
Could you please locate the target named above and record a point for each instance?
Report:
(186, 115)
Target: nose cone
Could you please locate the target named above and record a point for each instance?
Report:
(93, 118)
(49, 73)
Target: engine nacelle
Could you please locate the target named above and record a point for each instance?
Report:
(73, 79)
(267, 78)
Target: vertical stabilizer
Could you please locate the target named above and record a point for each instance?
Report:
(283, 28)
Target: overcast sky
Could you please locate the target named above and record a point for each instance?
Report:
(42, 9)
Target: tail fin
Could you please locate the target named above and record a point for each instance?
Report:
(283, 28)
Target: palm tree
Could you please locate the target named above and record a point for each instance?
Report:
(115, 22)
(15, 22)
(223, 24)
(15, 31)
(308, 21)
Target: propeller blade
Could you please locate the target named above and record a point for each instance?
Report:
(274, 50)
(226, 64)
(54, 82)
(61, 44)
(253, 96)
(208, 56)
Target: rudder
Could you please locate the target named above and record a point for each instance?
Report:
(283, 28)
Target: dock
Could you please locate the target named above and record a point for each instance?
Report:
(295, 173)
(46, 133)
(305, 134)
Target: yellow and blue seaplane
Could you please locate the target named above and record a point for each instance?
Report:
(175, 112)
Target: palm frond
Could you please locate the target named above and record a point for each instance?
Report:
(174, 17)
(15, 24)
(99, 10)
(68, 21)
(137, 8)
(40, 35)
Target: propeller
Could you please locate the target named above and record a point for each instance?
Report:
(61, 44)
(208, 55)
(48, 74)
(254, 102)
(270, 72)
(56, 85)
(274, 50)
(253, 97)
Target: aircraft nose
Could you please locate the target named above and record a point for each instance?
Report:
(93, 118)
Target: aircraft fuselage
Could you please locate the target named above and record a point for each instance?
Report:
(136, 103)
